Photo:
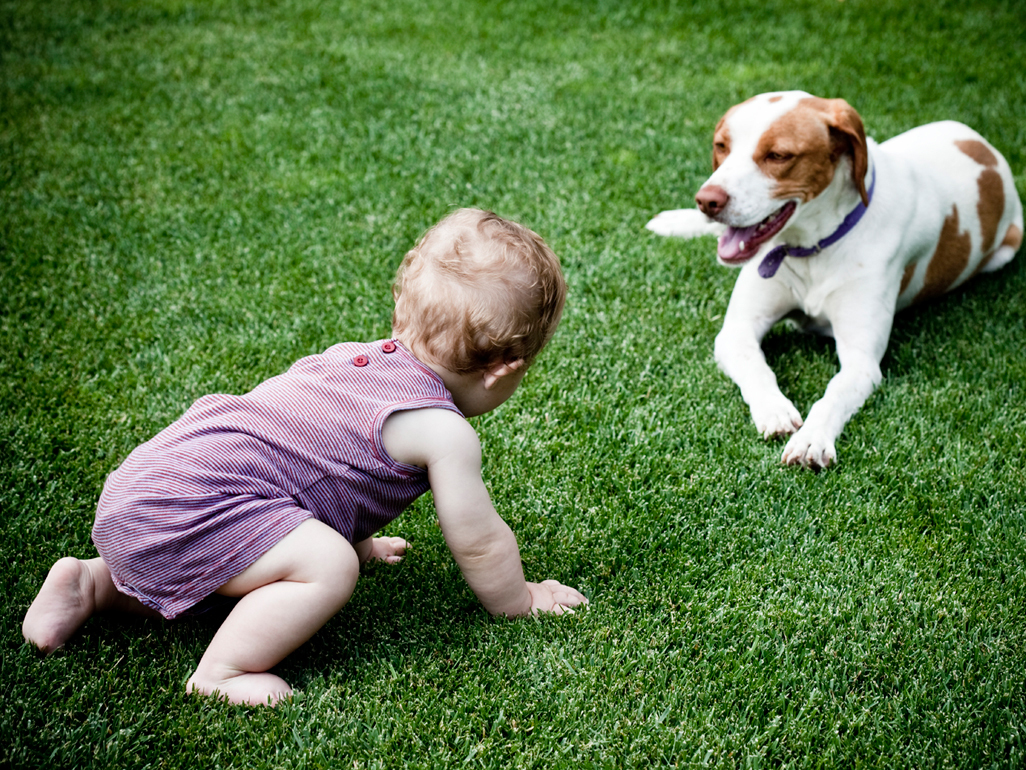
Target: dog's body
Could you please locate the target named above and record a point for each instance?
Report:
(870, 228)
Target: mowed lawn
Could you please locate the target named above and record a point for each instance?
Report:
(193, 195)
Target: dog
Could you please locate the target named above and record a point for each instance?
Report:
(839, 232)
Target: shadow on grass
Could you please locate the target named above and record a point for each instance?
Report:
(921, 339)
(397, 611)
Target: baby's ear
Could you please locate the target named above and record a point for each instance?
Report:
(496, 372)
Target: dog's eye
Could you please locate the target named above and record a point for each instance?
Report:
(778, 157)
(720, 147)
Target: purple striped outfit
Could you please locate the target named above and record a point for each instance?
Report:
(206, 497)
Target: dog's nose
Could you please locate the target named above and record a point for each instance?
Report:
(712, 199)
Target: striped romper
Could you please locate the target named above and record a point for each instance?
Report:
(206, 497)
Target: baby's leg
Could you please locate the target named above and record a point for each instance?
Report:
(287, 595)
(74, 590)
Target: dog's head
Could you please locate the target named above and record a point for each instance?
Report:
(773, 155)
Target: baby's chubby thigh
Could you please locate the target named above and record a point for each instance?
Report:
(313, 554)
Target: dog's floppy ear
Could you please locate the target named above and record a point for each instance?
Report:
(849, 136)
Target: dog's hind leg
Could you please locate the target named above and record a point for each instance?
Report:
(1005, 252)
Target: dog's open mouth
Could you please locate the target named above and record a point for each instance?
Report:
(739, 244)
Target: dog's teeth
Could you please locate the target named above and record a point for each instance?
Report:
(742, 246)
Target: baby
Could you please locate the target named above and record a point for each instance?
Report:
(272, 497)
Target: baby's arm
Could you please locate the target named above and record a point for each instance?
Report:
(481, 542)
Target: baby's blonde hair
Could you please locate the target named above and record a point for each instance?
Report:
(478, 290)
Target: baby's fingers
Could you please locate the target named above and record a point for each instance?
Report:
(552, 596)
(564, 596)
(396, 544)
(388, 549)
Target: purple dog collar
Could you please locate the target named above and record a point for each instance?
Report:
(772, 261)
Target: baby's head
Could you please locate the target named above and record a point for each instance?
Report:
(478, 290)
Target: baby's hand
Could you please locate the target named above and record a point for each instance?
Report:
(388, 549)
(553, 596)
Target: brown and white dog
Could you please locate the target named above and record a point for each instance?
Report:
(843, 232)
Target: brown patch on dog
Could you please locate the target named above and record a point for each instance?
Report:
(795, 151)
(978, 151)
(948, 261)
(906, 277)
(802, 148)
(847, 137)
(1013, 238)
(721, 141)
(775, 99)
(990, 206)
(721, 134)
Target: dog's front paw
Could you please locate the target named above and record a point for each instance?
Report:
(809, 450)
(684, 223)
(776, 417)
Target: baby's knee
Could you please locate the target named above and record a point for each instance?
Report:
(334, 568)
(340, 565)
(336, 579)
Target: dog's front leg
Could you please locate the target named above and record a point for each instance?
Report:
(755, 305)
(861, 330)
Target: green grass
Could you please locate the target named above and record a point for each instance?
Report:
(194, 195)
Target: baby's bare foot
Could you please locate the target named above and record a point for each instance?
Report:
(64, 603)
(262, 689)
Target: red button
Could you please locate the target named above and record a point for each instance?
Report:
(361, 361)
(388, 347)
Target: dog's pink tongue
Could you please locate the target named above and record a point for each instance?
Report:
(730, 243)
